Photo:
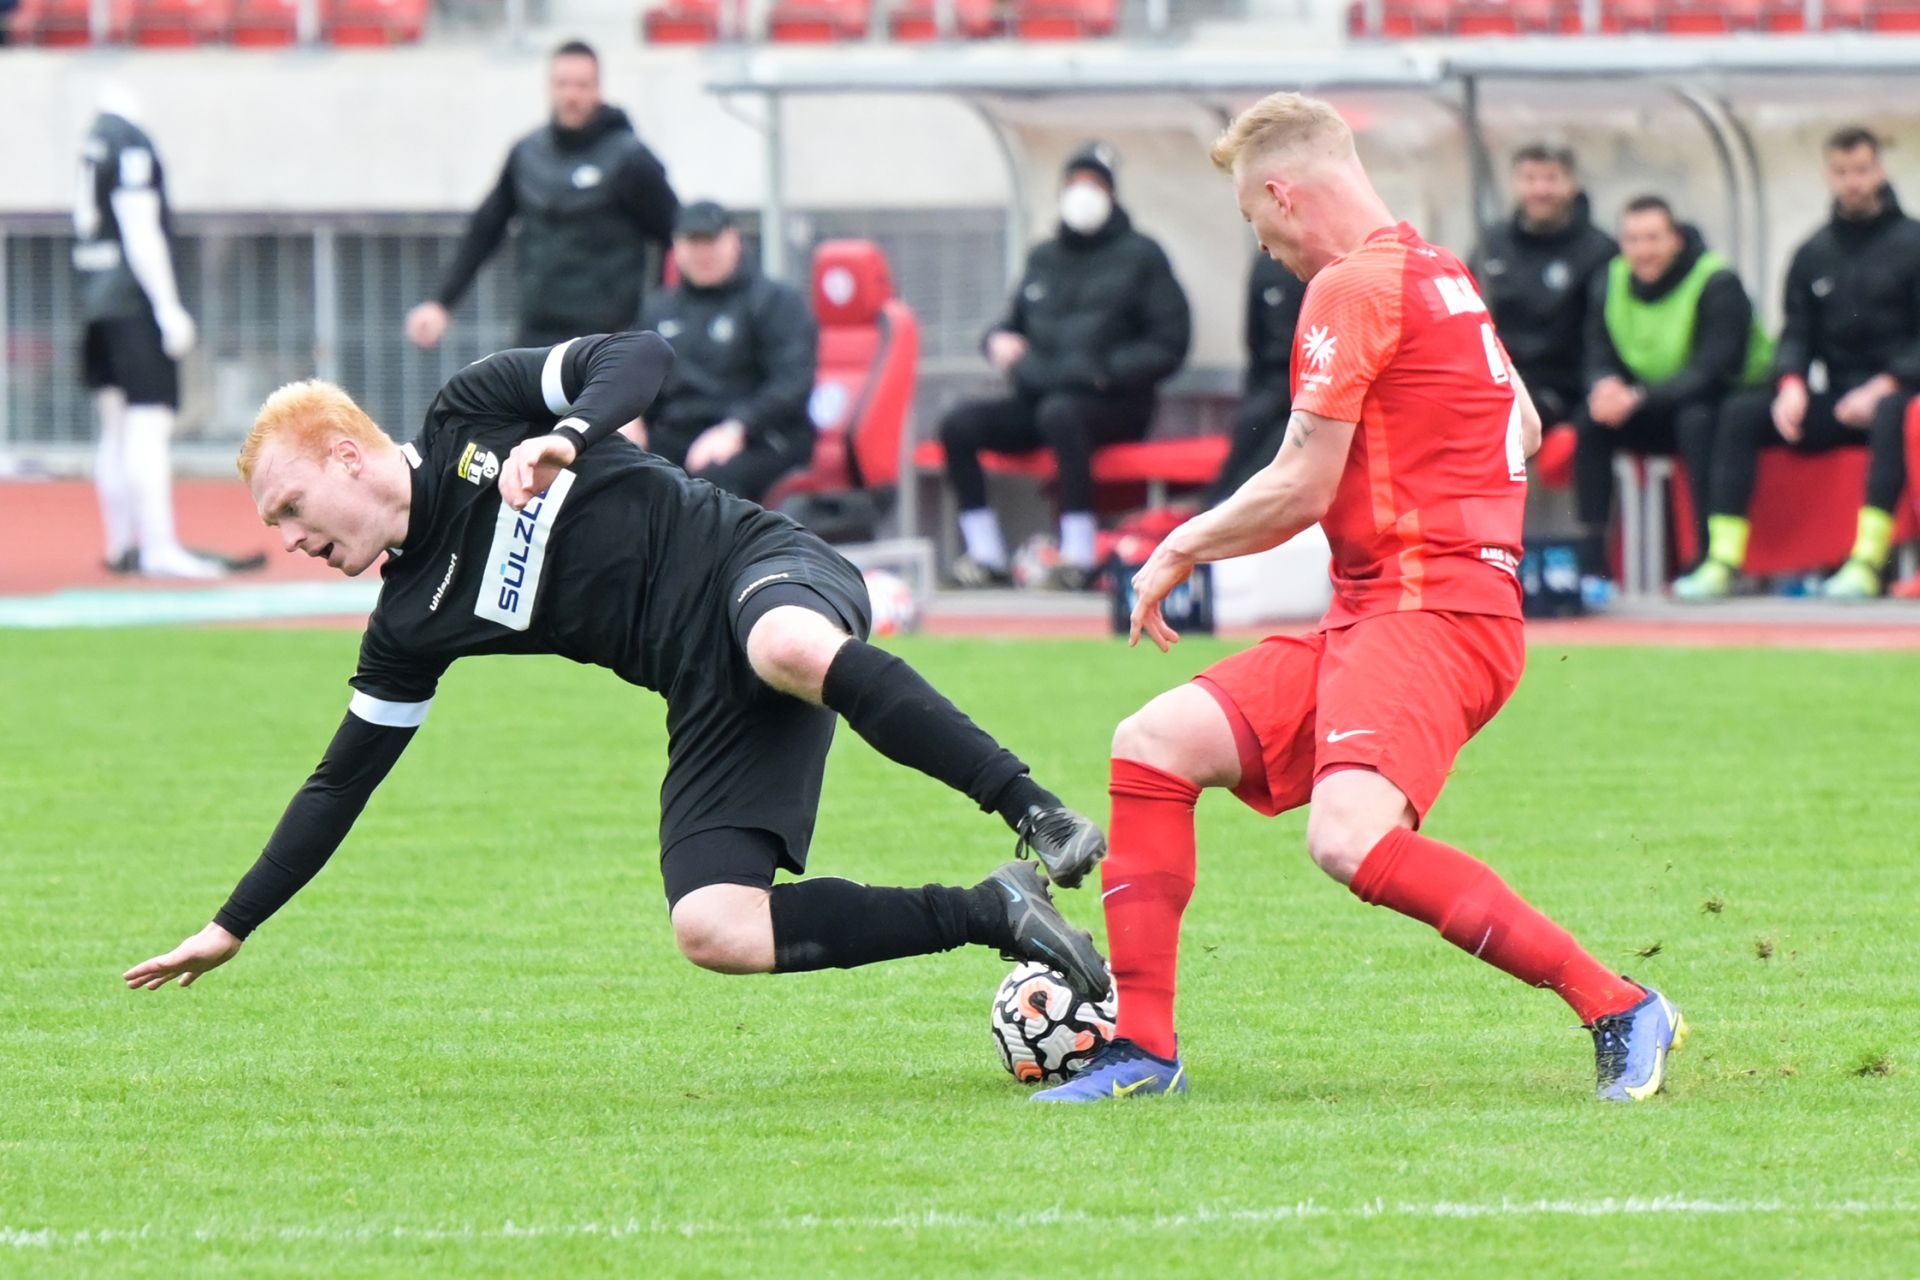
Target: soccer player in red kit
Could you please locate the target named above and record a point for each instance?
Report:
(1408, 443)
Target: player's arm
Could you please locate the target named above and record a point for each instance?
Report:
(143, 238)
(485, 230)
(1278, 501)
(641, 187)
(1530, 424)
(363, 751)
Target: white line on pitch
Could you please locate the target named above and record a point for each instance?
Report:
(933, 1219)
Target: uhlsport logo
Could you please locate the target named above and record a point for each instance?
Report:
(517, 556)
(1318, 344)
(476, 465)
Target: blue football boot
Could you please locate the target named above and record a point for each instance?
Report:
(1630, 1048)
(1121, 1070)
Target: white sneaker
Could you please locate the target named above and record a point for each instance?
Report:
(178, 562)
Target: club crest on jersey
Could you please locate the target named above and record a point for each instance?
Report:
(586, 177)
(477, 465)
(1317, 345)
(721, 329)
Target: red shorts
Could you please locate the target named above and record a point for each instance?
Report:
(1398, 693)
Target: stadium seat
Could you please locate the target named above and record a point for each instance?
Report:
(1121, 472)
(682, 22)
(972, 19)
(372, 22)
(819, 21)
(869, 364)
(1403, 18)
(1064, 19)
(264, 23)
(175, 24)
(63, 23)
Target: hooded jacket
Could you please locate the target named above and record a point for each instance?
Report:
(1101, 313)
(1274, 295)
(588, 201)
(1537, 285)
(1722, 331)
(1853, 300)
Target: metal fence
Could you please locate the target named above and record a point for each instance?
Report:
(290, 296)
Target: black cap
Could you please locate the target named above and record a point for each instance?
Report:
(702, 218)
(1097, 158)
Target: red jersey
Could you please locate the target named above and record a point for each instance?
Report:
(1428, 515)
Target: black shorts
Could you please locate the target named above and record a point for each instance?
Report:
(125, 352)
(740, 754)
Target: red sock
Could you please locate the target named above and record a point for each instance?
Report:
(1475, 910)
(1147, 878)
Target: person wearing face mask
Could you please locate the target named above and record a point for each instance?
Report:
(1097, 323)
(1852, 307)
(1535, 272)
(588, 197)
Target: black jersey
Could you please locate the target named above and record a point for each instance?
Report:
(624, 563)
(117, 157)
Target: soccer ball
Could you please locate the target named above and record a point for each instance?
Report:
(1035, 562)
(894, 608)
(1043, 1030)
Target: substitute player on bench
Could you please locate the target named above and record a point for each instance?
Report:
(1408, 441)
(751, 626)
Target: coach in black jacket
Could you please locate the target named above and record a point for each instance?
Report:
(589, 198)
(1273, 311)
(1536, 271)
(1853, 307)
(734, 409)
(1097, 323)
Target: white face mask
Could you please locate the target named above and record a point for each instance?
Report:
(1085, 208)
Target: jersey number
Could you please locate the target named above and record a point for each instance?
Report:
(1516, 423)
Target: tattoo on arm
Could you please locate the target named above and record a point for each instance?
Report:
(1300, 432)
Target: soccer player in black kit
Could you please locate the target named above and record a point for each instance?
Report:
(512, 524)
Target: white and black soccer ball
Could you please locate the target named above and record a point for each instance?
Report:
(1034, 563)
(1045, 1033)
(895, 611)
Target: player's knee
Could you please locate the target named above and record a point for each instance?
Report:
(1338, 841)
(1146, 737)
(717, 936)
(1060, 419)
(792, 653)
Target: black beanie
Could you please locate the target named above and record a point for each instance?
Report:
(1096, 158)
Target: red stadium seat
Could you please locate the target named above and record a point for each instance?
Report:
(819, 21)
(869, 363)
(1121, 472)
(972, 19)
(64, 23)
(372, 22)
(1064, 19)
(173, 24)
(264, 23)
(682, 22)
(1417, 17)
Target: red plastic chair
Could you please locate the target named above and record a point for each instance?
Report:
(63, 23)
(869, 363)
(1064, 19)
(1403, 18)
(819, 21)
(178, 24)
(972, 19)
(264, 23)
(373, 22)
(682, 22)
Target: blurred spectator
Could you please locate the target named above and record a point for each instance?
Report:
(136, 332)
(1537, 273)
(589, 198)
(734, 409)
(1852, 307)
(1670, 333)
(6, 19)
(1096, 324)
(1273, 309)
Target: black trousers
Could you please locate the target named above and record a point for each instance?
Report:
(1686, 429)
(1259, 425)
(748, 474)
(1746, 427)
(1072, 425)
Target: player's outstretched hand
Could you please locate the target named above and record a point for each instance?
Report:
(1164, 570)
(532, 466)
(208, 949)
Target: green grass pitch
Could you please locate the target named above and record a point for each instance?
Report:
(469, 1048)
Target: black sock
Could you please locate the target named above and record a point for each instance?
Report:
(839, 924)
(1593, 552)
(910, 722)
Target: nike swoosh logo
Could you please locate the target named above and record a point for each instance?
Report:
(1350, 733)
(1117, 888)
(1121, 1091)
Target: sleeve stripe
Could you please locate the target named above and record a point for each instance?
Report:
(550, 385)
(390, 715)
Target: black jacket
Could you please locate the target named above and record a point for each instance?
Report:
(1853, 301)
(588, 202)
(747, 348)
(1722, 328)
(1101, 313)
(1273, 311)
(1537, 287)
